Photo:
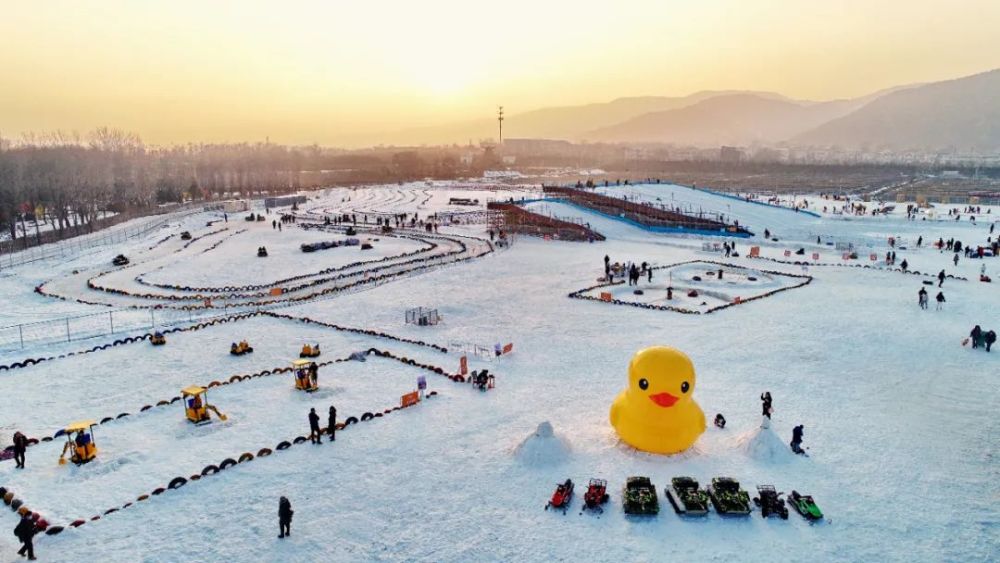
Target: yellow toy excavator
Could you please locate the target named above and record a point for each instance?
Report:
(79, 443)
(196, 406)
(306, 375)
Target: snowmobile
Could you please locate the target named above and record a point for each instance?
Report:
(686, 497)
(596, 495)
(639, 497)
(262, 252)
(186, 235)
(562, 496)
(804, 505)
(728, 498)
(120, 260)
(770, 502)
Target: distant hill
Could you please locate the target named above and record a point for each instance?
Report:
(561, 122)
(963, 114)
(734, 119)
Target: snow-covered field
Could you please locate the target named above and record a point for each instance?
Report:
(900, 418)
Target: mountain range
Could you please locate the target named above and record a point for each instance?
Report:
(961, 114)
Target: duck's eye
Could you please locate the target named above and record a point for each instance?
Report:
(685, 387)
(643, 384)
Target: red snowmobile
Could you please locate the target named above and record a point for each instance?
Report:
(562, 496)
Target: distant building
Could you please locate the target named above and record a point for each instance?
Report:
(731, 154)
(951, 174)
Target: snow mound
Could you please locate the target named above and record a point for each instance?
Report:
(762, 444)
(542, 447)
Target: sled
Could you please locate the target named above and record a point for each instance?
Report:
(770, 502)
(686, 497)
(639, 497)
(728, 498)
(804, 505)
(596, 495)
(562, 496)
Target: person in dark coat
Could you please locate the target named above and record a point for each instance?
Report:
(25, 532)
(285, 513)
(720, 420)
(940, 300)
(989, 338)
(904, 265)
(976, 336)
(332, 423)
(797, 440)
(314, 434)
(940, 278)
(922, 298)
(766, 404)
(20, 446)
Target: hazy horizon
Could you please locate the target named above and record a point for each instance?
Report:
(315, 72)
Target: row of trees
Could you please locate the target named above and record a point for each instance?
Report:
(67, 181)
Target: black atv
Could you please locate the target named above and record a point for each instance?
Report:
(770, 502)
(120, 260)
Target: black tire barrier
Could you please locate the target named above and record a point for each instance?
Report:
(176, 483)
(379, 415)
(432, 393)
(283, 445)
(264, 452)
(110, 511)
(299, 439)
(145, 408)
(32, 441)
(141, 498)
(158, 491)
(15, 504)
(122, 415)
(366, 417)
(106, 419)
(209, 470)
(162, 403)
(227, 463)
(3, 491)
(235, 378)
(77, 523)
(54, 531)
(245, 457)
(350, 420)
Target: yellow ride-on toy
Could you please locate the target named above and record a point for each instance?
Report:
(239, 349)
(158, 339)
(79, 443)
(196, 406)
(309, 351)
(306, 375)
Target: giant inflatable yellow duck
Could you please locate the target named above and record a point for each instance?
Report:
(656, 413)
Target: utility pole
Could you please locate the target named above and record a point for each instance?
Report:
(500, 122)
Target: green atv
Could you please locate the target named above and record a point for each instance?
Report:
(728, 498)
(639, 497)
(686, 497)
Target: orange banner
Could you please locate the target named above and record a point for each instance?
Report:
(463, 365)
(409, 399)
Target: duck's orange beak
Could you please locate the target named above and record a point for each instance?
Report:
(664, 400)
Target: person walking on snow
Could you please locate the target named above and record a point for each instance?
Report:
(976, 336)
(25, 532)
(956, 259)
(796, 443)
(314, 434)
(940, 278)
(285, 513)
(766, 404)
(940, 300)
(332, 423)
(904, 265)
(989, 338)
(922, 298)
(20, 446)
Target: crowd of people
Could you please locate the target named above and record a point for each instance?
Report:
(634, 272)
